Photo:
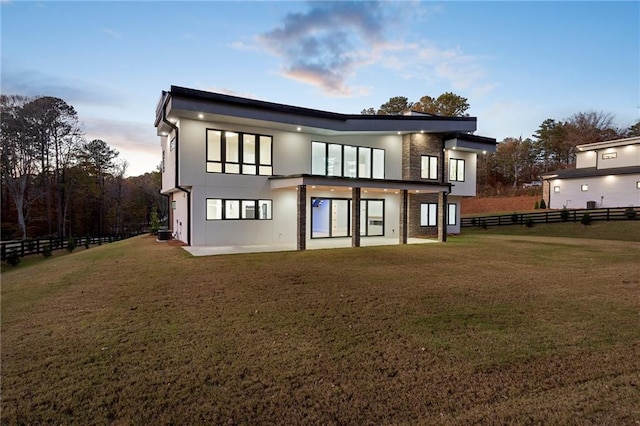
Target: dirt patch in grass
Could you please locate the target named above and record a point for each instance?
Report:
(141, 332)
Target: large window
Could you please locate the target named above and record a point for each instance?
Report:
(456, 170)
(429, 167)
(428, 214)
(330, 159)
(239, 153)
(222, 209)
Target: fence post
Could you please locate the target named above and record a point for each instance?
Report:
(607, 214)
(574, 216)
(3, 251)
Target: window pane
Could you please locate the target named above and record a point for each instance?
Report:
(214, 209)
(232, 209)
(378, 164)
(318, 158)
(424, 214)
(213, 145)
(214, 167)
(350, 161)
(264, 209)
(248, 169)
(249, 149)
(231, 168)
(452, 214)
(265, 150)
(334, 162)
(232, 147)
(460, 170)
(433, 167)
(248, 209)
(452, 170)
(424, 167)
(364, 162)
(433, 214)
(266, 170)
(340, 213)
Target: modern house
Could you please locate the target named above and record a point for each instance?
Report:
(607, 174)
(241, 171)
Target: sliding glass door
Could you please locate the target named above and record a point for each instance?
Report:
(331, 217)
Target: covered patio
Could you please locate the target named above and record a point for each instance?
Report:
(326, 243)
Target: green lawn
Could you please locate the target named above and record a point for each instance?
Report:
(482, 329)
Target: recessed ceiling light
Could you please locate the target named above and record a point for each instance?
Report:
(298, 128)
(200, 115)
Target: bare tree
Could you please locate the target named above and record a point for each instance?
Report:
(18, 155)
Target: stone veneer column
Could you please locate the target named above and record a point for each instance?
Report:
(403, 226)
(302, 217)
(355, 217)
(442, 217)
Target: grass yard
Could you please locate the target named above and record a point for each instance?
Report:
(483, 329)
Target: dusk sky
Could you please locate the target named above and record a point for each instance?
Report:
(518, 63)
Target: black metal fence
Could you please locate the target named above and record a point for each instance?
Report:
(42, 245)
(552, 216)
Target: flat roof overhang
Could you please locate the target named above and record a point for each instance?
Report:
(207, 106)
(280, 182)
(609, 144)
(471, 143)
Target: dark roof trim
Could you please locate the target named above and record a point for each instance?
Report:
(301, 111)
(470, 137)
(590, 172)
(358, 181)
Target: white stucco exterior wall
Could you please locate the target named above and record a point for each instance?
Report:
(606, 191)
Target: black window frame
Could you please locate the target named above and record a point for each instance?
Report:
(436, 215)
(240, 201)
(343, 163)
(240, 164)
(457, 161)
(455, 221)
(429, 157)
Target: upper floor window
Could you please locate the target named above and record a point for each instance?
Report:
(331, 159)
(609, 155)
(456, 170)
(241, 153)
(429, 167)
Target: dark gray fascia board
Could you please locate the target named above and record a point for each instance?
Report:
(590, 172)
(190, 102)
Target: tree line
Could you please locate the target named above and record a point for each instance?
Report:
(55, 183)
(518, 161)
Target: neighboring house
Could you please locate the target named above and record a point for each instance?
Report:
(607, 174)
(241, 171)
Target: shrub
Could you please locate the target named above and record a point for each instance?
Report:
(536, 206)
(155, 222)
(46, 251)
(514, 217)
(564, 214)
(71, 245)
(86, 243)
(586, 219)
(543, 204)
(529, 223)
(13, 258)
(630, 213)
(483, 224)
(473, 221)
(31, 245)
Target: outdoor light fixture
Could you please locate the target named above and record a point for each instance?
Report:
(201, 115)
(298, 128)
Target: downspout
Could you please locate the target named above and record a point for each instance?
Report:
(177, 184)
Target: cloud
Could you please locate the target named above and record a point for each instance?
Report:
(320, 47)
(327, 46)
(112, 33)
(37, 83)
